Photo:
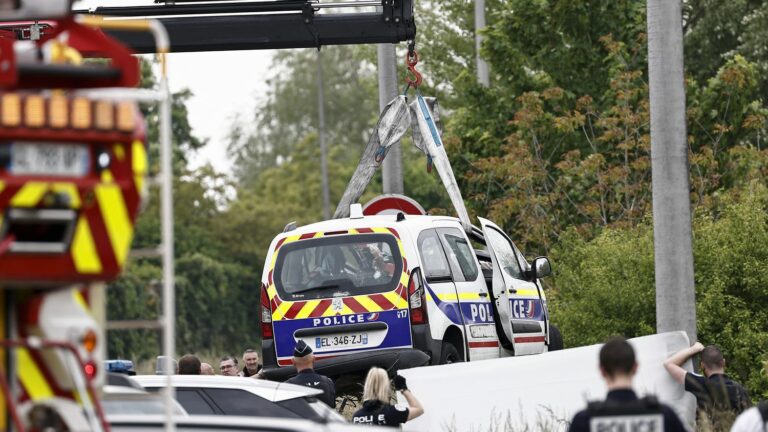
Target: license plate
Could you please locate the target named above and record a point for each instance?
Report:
(70, 160)
(342, 341)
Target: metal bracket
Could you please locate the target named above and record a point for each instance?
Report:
(389, 10)
(308, 13)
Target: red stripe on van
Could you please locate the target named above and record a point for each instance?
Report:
(294, 309)
(530, 339)
(320, 308)
(394, 231)
(354, 305)
(307, 236)
(490, 344)
(280, 243)
(382, 301)
(364, 230)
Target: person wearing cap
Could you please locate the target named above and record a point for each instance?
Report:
(304, 361)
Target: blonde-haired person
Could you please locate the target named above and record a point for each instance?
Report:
(376, 408)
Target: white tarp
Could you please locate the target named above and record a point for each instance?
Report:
(537, 392)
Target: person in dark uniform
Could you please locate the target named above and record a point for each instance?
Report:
(622, 410)
(304, 361)
(376, 408)
(718, 397)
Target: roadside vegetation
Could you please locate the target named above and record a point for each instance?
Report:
(557, 151)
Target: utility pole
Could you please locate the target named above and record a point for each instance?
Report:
(392, 168)
(321, 138)
(482, 67)
(672, 237)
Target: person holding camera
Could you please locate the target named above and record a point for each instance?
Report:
(377, 409)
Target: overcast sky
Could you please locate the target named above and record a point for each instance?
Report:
(224, 84)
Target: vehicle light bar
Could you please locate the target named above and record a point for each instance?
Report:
(31, 111)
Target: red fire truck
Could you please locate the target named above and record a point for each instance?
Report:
(73, 163)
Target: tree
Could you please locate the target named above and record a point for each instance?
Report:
(604, 286)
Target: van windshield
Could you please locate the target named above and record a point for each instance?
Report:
(338, 266)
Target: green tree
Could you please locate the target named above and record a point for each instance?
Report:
(605, 286)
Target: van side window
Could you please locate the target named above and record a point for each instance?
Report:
(459, 250)
(432, 255)
(502, 248)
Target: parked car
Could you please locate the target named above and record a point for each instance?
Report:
(220, 395)
(122, 400)
(226, 424)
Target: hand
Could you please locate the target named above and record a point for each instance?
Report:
(698, 347)
(400, 383)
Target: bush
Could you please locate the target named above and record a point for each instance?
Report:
(605, 286)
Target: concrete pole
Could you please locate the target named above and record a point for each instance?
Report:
(166, 223)
(482, 67)
(673, 244)
(321, 138)
(392, 168)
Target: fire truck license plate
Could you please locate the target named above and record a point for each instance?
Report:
(49, 159)
(341, 341)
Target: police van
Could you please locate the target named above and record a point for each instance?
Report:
(400, 290)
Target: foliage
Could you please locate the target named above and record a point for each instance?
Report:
(565, 159)
(606, 286)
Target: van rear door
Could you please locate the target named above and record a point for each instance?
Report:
(340, 292)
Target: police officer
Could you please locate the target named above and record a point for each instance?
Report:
(622, 410)
(717, 396)
(304, 361)
(376, 408)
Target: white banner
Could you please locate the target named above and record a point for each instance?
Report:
(542, 391)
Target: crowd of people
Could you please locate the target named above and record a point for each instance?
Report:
(376, 409)
(722, 403)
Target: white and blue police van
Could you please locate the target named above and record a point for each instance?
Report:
(398, 291)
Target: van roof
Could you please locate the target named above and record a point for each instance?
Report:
(368, 222)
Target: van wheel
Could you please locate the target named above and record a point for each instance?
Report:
(555, 338)
(450, 354)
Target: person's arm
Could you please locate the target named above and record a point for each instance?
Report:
(674, 364)
(414, 406)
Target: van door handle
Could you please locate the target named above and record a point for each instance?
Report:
(483, 294)
(512, 291)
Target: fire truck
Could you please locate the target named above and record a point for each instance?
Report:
(73, 167)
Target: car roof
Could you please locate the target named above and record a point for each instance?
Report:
(270, 390)
(209, 422)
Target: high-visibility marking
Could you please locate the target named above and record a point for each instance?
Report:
(29, 195)
(139, 162)
(2, 185)
(308, 307)
(279, 313)
(488, 344)
(460, 296)
(529, 339)
(395, 299)
(368, 304)
(31, 377)
(80, 300)
(528, 292)
(119, 152)
(107, 177)
(354, 305)
(69, 189)
(321, 308)
(382, 301)
(84, 253)
(116, 220)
